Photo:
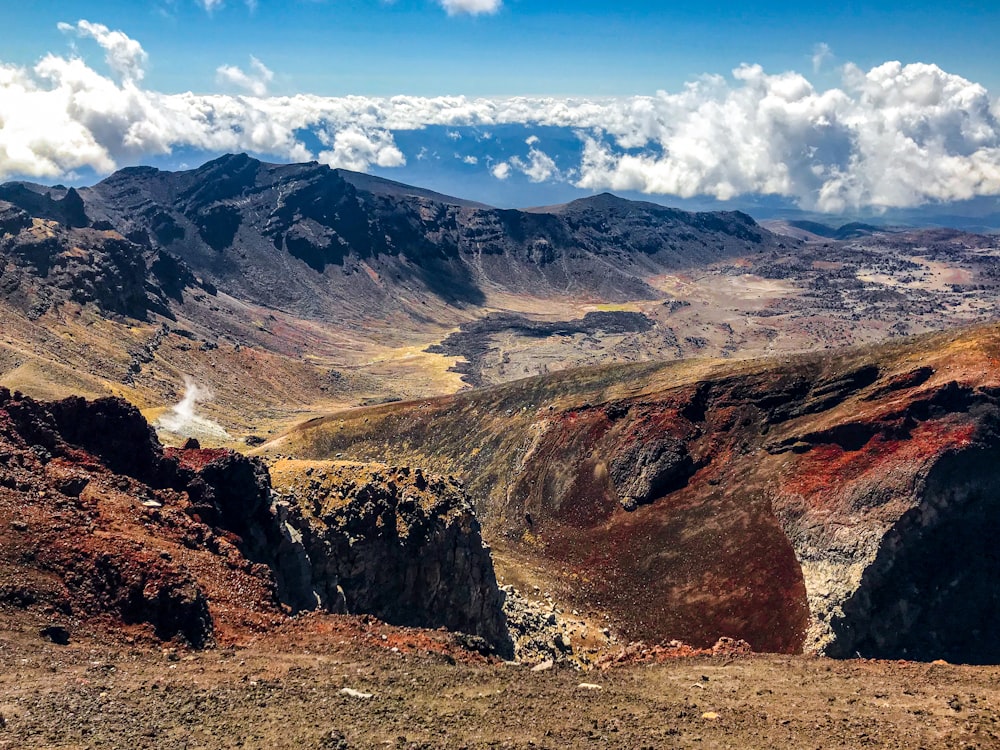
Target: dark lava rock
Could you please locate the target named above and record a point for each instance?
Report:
(114, 431)
(645, 471)
(55, 633)
(473, 340)
(404, 546)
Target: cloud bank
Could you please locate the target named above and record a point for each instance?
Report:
(893, 136)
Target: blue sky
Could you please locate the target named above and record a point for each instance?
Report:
(527, 47)
(843, 107)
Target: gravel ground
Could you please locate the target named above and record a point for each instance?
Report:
(355, 683)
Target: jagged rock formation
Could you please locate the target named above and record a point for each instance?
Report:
(839, 504)
(46, 263)
(394, 542)
(98, 521)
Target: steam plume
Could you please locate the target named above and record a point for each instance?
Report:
(183, 420)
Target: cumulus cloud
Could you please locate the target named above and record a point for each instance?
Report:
(470, 159)
(356, 149)
(896, 135)
(124, 55)
(539, 167)
(472, 7)
(255, 82)
(501, 171)
(892, 136)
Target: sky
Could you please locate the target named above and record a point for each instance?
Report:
(841, 107)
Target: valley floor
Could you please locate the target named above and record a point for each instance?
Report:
(286, 690)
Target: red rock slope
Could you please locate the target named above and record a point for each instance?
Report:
(833, 503)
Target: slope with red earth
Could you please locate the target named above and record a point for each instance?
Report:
(103, 529)
(796, 504)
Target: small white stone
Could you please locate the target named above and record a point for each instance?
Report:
(352, 693)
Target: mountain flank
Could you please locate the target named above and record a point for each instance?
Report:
(835, 503)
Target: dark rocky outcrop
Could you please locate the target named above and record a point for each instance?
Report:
(61, 205)
(72, 476)
(116, 433)
(473, 341)
(930, 592)
(49, 264)
(397, 543)
(232, 494)
(645, 471)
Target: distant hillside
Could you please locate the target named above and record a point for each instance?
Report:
(804, 229)
(324, 242)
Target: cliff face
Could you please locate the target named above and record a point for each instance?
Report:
(396, 543)
(930, 591)
(836, 504)
(98, 523)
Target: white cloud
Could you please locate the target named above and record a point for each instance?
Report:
(255, 82)
(531, 140)
(124, 55)
(354, 148)
(471, 160)
(540, 167)
(892, 136)
(472, 7)
(896, 135)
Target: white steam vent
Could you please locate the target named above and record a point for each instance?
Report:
(183, 420)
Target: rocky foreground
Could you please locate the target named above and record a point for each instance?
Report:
(342, 683)
(189, 597)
